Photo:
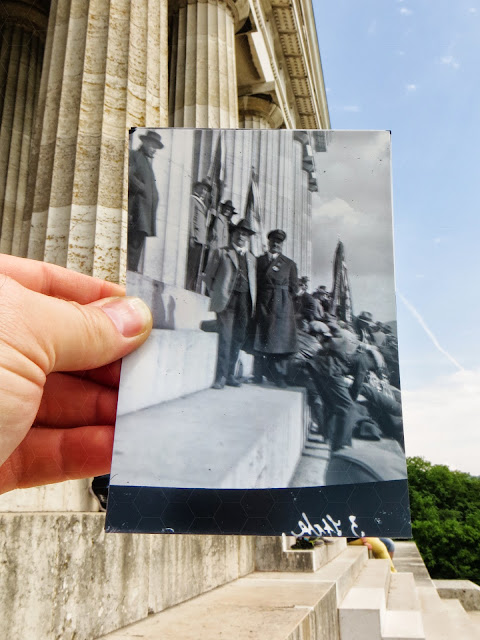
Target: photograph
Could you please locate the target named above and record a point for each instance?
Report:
(266, 257)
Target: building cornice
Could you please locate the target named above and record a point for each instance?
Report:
(288, 27)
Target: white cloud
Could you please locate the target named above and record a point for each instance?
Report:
(372, 28)
(406, 12)
(437, 240)
(441, 421)
(450, 61)
(472, 10)
(400, 53)
(410, 88)
(327, 89)
(353, 108)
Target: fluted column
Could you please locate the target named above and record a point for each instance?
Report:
(258, 113)
(104, 72)
(203, 76)
(21, 53)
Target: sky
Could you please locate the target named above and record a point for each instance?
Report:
(411, 67)
(354, 205)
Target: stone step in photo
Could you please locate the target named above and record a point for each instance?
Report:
(170, 364)
(251, 436)
(247, 609)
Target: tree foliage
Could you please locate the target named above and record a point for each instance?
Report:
(445, 508)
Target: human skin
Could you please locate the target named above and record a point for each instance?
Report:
(62, 335)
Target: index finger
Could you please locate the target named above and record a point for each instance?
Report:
(52, 280)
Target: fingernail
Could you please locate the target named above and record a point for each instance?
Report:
(131, 316)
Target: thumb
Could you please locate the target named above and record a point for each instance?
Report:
(90, 336)
(61, 335)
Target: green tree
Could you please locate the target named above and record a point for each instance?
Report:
(445, 508)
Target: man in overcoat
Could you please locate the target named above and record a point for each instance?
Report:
(142, 196)
(230, 277)
(275, 332)
(199, 204)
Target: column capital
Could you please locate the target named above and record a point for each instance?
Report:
(262, 108)
(238, 8)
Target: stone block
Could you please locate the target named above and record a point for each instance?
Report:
(72, 495)
(247, 437)
(403, 625)
(170, 364)
(275, 554)
(402, 594)
(247, 610)
(467, 592)
(61, 576)
(361, 614)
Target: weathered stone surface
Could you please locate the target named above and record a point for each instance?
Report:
(63, 577)
(72, 495)
(467, 592)
(288, 609)
(274, 553)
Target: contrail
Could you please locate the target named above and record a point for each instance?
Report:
(428, 331)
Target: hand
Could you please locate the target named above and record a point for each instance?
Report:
(61, 337)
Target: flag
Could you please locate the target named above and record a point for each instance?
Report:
(341, 297)
(253, 215)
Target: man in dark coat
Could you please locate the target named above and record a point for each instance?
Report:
(275, 332)
(231, 282)
(199, 203)
(142, 197)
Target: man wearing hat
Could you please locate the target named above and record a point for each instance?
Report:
(142, 196)
(219, 229)
(365, 327)
(275, 332)
(230, 277)
(199, 203)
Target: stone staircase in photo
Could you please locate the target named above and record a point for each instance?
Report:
(333, 592)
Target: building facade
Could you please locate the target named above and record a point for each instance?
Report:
(75, 77)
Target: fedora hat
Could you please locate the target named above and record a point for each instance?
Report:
(153, 138)
(243, 225)
(226, 204)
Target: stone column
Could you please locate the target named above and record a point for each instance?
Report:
(258, 113)
(104, 72)
(203, 76)
(21, 52)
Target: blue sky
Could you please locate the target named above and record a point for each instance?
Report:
(412, 66)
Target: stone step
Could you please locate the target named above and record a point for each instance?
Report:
(342, 572)
(170, 364)
(262, 608)
(467, 592)
(444, 619)
(402, 619)
(362, 611)
(402, 594)
(402, 625)
(250, 436)
(274, 553)
(172, 307)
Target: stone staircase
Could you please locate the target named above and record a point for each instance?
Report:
(333, 592)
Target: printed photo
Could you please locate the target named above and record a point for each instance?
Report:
(266, 257)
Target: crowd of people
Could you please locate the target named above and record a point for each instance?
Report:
(349, 369)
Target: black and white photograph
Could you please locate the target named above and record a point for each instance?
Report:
(272, 370)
